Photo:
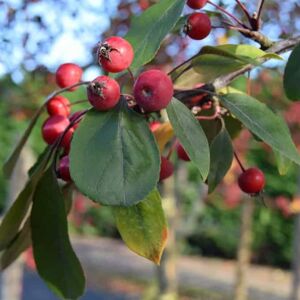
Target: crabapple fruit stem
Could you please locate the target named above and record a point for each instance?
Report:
(61, 137)
(238, 161)
(57, 92)
(78, 102)
(172, 148)
(244, 9)
(131, 75)
(227, 13)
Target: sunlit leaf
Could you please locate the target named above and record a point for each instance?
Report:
(143, 227)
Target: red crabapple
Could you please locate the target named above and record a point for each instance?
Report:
(196, 4)
(58, 105)
(115, 54)
(252, 181)
(153, 90)
(64, 169)
(66, 141)
(68, 74)
(198, 26)
(154, 125)
(103, 93)
(182, 153)
(53, 127)
(166, 168)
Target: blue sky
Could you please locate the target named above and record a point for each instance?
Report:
(75, 27)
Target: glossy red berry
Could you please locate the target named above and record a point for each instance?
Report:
(153, 90)
(182, 153)
(74, 117)
(58, 105)
(198, 26)
(64, 169)
(154, 125)
(166, 168)
(115, 54)
(196, 99)
(53, 127)
(252, 181)
(103, 93)
(68, 74)
(196, 4)
(66, 141)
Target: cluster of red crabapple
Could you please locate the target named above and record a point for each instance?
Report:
(152, 91)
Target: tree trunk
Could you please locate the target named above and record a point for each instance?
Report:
(295, 292)
(166, 272)
(11, 279)
(244, 250)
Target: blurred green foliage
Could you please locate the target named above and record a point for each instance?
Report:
(212, 228)
(17, 105)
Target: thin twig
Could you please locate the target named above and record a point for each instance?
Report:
(244, 9)
(59, 140)
(278, 48)
(259, 8)
(227, 13)
(239, 162)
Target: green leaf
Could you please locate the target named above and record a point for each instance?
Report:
(15, 216)
(283, 163)
(55, 259)
(212, 62)
(21, 243)
(114, 158)
(143, 227)
(211, 66)
(291, 77)
(12, 160)
(246, 53)
(221, 153)
(41, 161)
(67, 191)
(148, 30)
(191, 135)
(180, 24)
(260, 120)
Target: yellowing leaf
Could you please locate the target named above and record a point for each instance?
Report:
(163, 134)
(143, 227)
(295, 206)
(228, 90)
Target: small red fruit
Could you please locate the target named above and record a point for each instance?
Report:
(74, 117)
(166, 168)
(196, 99)
(196, 4)
(182, 153)
(252, 181)
(53, 127)
(153, 90)
(58, 105)
(66, 141)
(68, 74)
(103, 93)
(154, 125)
(64, 169)
(198, 26)
(115, 54)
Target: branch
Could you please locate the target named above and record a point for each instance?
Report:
(278, 48)
(259, 9)
(223, 81)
